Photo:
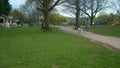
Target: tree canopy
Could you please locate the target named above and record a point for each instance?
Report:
(46, 6)
(5, 7)
(56, 18)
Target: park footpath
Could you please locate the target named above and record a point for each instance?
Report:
(109, 42)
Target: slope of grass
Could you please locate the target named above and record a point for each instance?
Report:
(32, 48)
(106, 30)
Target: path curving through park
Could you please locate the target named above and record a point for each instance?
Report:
(109, 42)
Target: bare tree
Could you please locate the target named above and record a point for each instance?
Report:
(46, 6)
(74, 7)
(29, 10)
(116, 5)
(92, 7)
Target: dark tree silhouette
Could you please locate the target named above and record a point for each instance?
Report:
(5, 7)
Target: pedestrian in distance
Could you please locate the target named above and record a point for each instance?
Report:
(87, 26)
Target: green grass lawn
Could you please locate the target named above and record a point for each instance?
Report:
(106, 30)
(32, 48)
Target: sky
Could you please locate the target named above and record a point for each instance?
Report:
(16, 3)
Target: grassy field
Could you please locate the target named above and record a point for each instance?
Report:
(106, 30)
(32, 48)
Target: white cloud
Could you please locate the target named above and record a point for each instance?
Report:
(16, 3)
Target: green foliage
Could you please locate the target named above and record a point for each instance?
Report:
(56, 18)
(109, 19)
(32, 48)
(117, 20)
(5, 7)
(17, 15)
(105, 18)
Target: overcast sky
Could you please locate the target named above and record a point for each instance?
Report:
(16, 3)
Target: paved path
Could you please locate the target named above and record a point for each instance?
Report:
(110, 42)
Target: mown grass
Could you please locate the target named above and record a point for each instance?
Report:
(32, 48)
(106, 30)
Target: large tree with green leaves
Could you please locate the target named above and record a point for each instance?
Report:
(5, 7)
(56, 18)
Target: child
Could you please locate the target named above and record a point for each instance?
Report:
(87, 26)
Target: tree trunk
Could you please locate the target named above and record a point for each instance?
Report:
(77, 25)
(91, 21)
(45, 25)
(92, 12)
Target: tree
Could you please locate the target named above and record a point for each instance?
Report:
(92, 7)
(5, 7)
(56, 18)
(46, 6)
(74, 7)
(104, 18)
(30, 11)
(116, 6)
(17, 15)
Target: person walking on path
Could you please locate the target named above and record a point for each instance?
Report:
(87, 27)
